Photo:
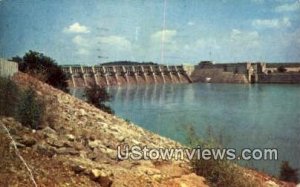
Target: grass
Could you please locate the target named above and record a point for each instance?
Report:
(218, 172)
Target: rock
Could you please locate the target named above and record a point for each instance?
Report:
(48, 130)
(70, 137)
(111, 153)
(103, 125)
(45, 150)
(28, 141)
(121, 138)
(78, 146)
(82, 112)
(94, 144)
(67, 144)
(66, 151)
(95, 173)
(91, 155)
(135, 142)
(92, 138)
(271, 184)
(157, 177)
(104, 181)
(49, 133)
(103, 178)
(55, 142)
(78, 168)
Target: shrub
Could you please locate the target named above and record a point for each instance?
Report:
(287, 173)
(281, 69)
(9, 96)
(22, 105)
(219, 172)
(97, 96)
(204, 64)
(30, 111)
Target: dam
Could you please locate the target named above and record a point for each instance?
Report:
(246, 72)
(117, 75)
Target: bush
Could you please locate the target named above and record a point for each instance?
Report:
(97, 96)
(287, 173)
(22, 105)
(30, 111)
(9, 96)
(281, 69)
(219, 172)
(204, 64)
(44, 68)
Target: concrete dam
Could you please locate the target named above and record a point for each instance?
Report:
(246, 72)
(104, 75)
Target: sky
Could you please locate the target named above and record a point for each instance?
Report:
(162, 31)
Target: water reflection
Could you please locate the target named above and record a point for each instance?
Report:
(254, 116)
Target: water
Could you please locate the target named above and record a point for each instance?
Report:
(245, 116)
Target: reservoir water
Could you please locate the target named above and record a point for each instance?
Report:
(245, 116)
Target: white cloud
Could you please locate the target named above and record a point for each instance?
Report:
(82, 44)
(81, 41)
(244, 38)
(271, 23)
(258, 1)
(83, 51)
(191, 23)
(117, 41)
(76, 28)
(166, 36)
(207, 43)
(288, 7)
(110, 45)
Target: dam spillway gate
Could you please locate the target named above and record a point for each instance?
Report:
(103, 75)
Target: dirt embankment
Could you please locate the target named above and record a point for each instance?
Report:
(78, 147)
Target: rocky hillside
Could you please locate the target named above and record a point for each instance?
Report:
(77, 147)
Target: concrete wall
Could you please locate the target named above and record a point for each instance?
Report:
(290, 67)
(240, 68)
(221, 73)
(8, 68)
(247, 73)
(217, 76)
(281, 78)
(189, 69)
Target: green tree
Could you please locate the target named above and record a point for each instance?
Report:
(30, 110)
(9, 96)
(287, 173)
(281, 69)
(97, 96)
(43, 68)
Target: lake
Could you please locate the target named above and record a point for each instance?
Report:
(241, 115)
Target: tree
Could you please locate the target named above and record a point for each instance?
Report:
(204, 64)
(9, 97)
(287, 173)
(281, 69)
(44, 68)
(97, 96)
(30, 109)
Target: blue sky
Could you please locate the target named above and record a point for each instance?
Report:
(95, 31)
